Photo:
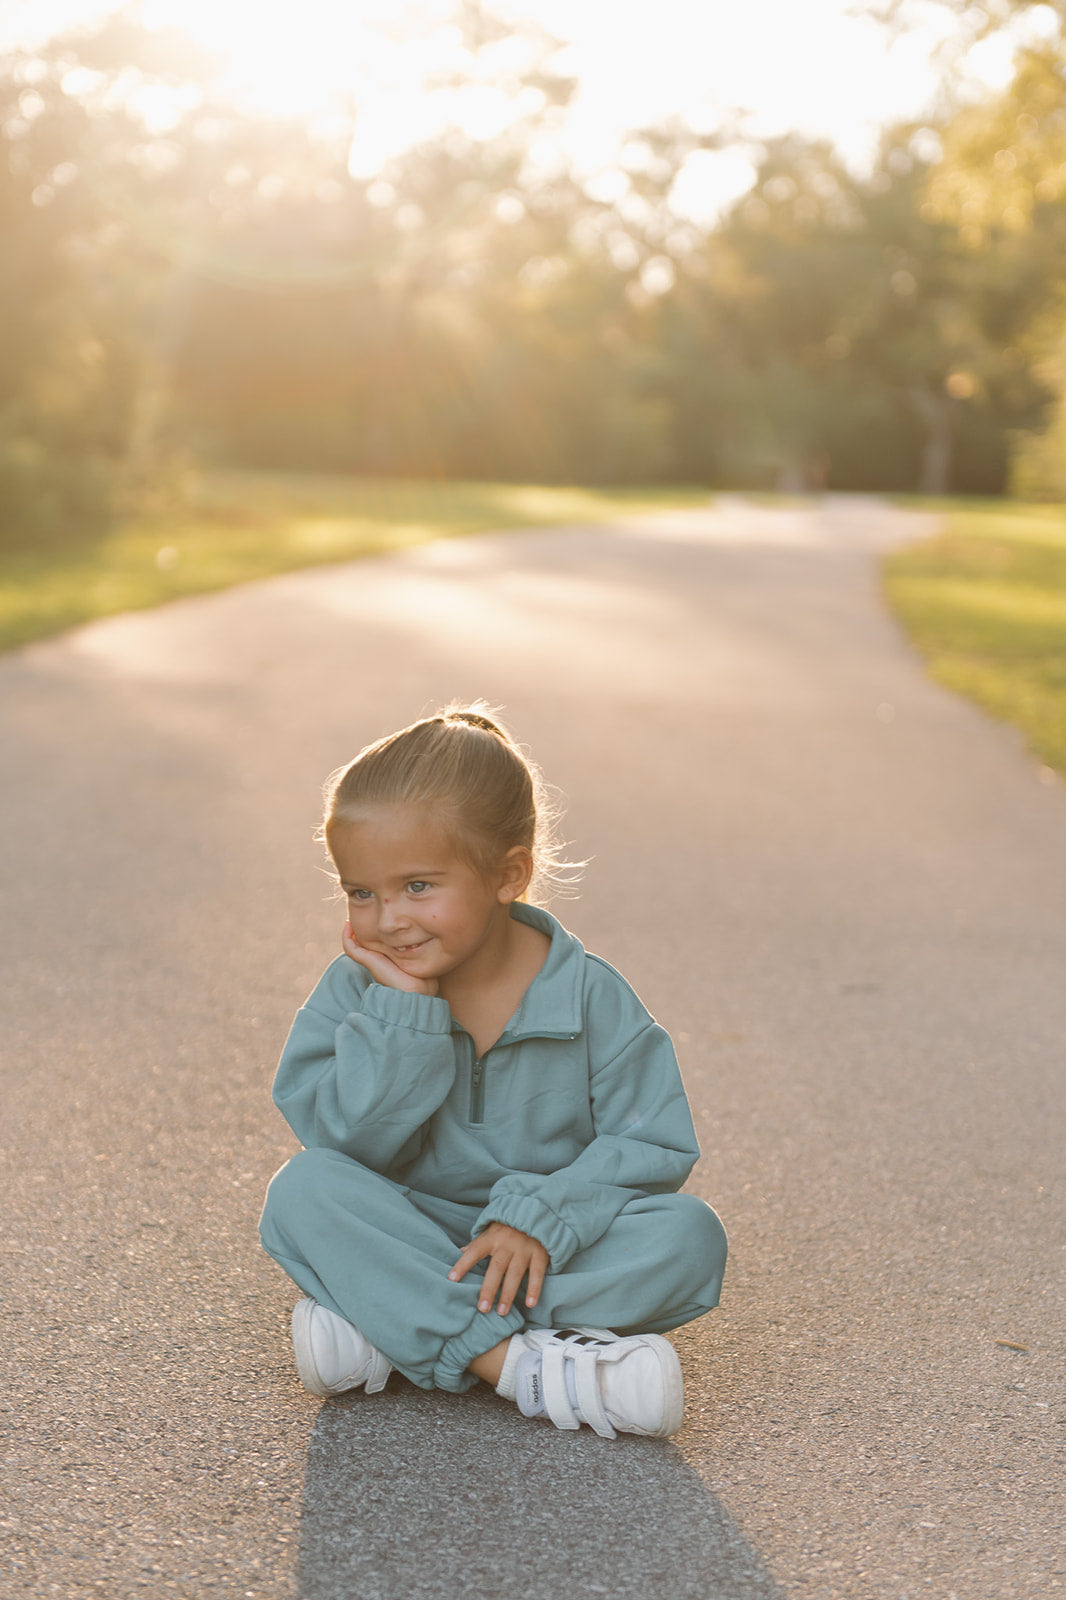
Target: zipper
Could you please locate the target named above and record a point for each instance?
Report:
(477, 1073)
(477, 1089)
(477, 1068)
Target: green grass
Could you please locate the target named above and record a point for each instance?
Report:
(241, 526)
(985, 602)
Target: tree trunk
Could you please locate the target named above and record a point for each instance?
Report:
(935, 412)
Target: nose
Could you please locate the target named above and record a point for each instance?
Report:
(390, 917)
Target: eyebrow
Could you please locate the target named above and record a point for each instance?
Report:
(403, 877)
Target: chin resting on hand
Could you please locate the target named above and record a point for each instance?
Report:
(381, 968)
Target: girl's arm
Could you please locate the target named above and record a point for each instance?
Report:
(364, 1067)
(644, 1143)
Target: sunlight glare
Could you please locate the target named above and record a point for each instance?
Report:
(284, 59)
(386, 70)
(708, 182)
(817, 68)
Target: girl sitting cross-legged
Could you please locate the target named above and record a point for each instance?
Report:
(494, 1128)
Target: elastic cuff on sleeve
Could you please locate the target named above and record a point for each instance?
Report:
(425, 1013)
(531, 1216)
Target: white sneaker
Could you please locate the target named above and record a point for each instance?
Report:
(331, 1355)
(615, 1384)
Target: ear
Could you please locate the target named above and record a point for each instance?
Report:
(516, 869)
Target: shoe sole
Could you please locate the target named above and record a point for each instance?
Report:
(673, 1383)
(310, 1376)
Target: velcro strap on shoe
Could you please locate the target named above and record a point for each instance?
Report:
(553, 1385)
(587, 1383)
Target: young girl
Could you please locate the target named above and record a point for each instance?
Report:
(494, 1127)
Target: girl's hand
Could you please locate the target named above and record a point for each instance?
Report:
(513, 1256)
(381, 969)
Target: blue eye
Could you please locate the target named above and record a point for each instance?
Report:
(360, 894)
(417, 886)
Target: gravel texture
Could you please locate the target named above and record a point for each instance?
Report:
(841, 888)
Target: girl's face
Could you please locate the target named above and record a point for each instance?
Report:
(413, 898)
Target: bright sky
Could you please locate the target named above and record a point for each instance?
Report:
(820, 67)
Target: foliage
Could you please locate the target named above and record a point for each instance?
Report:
(185, 281)
(1001, 187)
(986, 604)
(869, 348)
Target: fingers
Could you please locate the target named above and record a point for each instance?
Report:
(536, 1278)
(513, 1256)
(530, 1263)
(512, 1282)
(476, 1250)
(350, 948)
(493, 1276)
(381, 969)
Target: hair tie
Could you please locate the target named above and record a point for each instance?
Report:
(475, 719)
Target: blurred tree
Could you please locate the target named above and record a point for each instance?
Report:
(179, 275)
(944, 323)
(392, 362)
(77, 285)
(1001, 188)
(867, 347)
(51, 366)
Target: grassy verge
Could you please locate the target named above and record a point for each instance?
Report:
(240, 526)
(985, 602)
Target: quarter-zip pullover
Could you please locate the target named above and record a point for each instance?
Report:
(577, 1108)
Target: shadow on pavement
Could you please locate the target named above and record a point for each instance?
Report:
(428, 1496)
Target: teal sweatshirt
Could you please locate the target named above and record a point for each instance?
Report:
(577, 1108)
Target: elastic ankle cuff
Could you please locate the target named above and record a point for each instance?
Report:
(486, 1329)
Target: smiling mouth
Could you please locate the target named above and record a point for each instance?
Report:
(408, 949)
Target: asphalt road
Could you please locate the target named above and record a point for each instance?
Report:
(841, 888)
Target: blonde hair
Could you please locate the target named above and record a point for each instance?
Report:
(464, 765)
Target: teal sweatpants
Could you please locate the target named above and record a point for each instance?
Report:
(379, 1255)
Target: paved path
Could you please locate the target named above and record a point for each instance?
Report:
(840, 887)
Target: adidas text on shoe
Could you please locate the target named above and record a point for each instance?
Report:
(614, 1384)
